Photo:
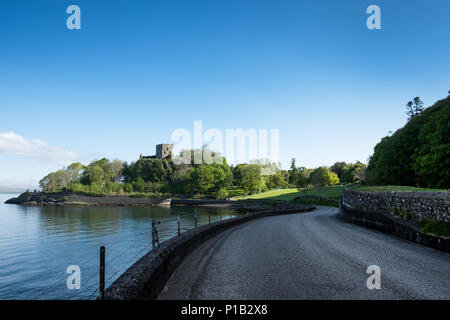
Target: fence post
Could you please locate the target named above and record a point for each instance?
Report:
(209, 218)
(179, 229)
(195, 218)
(230, 214)
(102, 273)
(155, 238)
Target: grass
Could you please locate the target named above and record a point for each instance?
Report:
(278, 194)
(393, 188)
(439, 228)
(331, 192)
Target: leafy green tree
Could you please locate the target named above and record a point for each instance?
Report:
(414, 108)
(349, 172)
(303, 176)
(277, 180)
(139, 185)
(116, 168)
(203, 179)
(222, 193)
(74, 172)
(322, 177)
(417, 154)
(293, 172)
(96, 175)
(248, 177)
(341, 169)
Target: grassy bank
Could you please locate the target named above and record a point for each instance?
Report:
(330, 192)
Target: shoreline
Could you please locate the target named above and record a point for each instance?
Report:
(71, 199)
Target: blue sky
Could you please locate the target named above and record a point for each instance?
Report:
(138, 70)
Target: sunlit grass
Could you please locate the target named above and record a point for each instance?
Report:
(331, 192)
(393, 188)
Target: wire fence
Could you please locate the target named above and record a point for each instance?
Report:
(122, 266)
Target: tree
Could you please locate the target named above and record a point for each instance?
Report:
(139, 185)
(341, 169)
(222, 193)
(96, 175)
(302, 178)
(349, 172)
(322, 177)
(277, 180)
(55, 181)
(359, 172)
(414, 108)
(74, 172)
(417, 154)
(248, 177)
(203, 179)
(293, 172)
(116, 167)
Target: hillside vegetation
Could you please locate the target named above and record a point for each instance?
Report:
(417, 154)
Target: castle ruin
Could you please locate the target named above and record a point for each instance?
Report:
(163, 151)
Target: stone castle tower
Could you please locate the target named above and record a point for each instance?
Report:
(164, 151)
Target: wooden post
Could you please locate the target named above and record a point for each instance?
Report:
(179, 228)
(155, 238)
(102, 273)
(153, 234)
(195, 219)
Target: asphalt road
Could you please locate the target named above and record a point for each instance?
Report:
(308, 256)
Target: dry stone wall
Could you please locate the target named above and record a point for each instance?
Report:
(418, 206)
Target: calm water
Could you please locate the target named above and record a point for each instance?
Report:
(37, 244)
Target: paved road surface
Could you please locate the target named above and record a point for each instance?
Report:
(308, 256)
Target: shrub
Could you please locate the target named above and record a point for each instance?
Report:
(236, 192)
(402, 213)
(222, 193)
(439, 228)
(139, 185)
(76, 187)
(128, 187)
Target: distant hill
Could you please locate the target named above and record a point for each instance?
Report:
(14, 189)
(417, 154)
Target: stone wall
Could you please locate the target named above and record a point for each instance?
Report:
(388, 223)
(417, 206)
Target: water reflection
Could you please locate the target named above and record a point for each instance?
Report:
(37, 244)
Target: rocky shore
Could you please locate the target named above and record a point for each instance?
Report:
(68, 198)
